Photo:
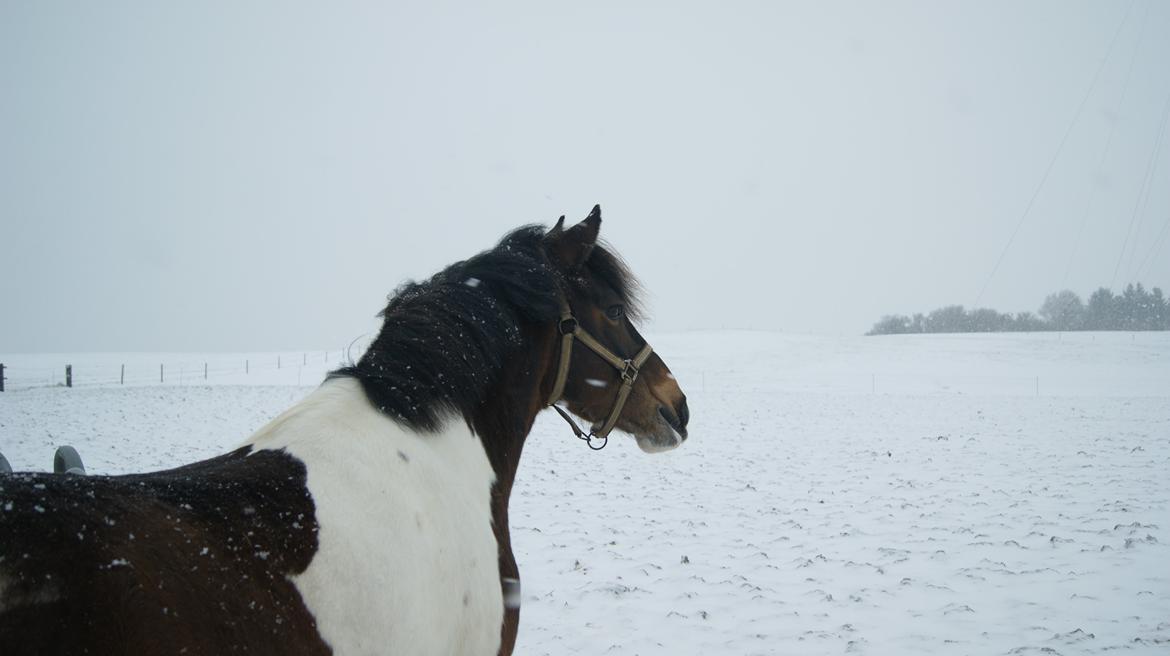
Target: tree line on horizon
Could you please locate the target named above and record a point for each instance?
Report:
(1135, 308)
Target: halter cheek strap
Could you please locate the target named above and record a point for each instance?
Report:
(571, 330)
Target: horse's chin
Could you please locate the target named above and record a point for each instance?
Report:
(665, 438)
(653, 445)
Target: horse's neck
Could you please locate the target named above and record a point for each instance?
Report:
(513, 401)
(503, 423)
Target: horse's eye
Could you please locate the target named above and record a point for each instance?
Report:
(614, 312)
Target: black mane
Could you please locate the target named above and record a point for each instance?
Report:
(444, 340)
(606, 266)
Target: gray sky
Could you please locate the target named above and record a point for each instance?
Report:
(245, 175)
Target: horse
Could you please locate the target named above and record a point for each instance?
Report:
(372, 516)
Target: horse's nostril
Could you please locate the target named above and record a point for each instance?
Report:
(674, 421)
(684, 413)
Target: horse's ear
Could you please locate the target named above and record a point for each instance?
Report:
(557, 229)
(573, 246)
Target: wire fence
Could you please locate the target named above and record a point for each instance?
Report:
(138, 370)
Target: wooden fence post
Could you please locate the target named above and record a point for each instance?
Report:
(160, 373)
(68, 375)
(122, 378)
(245, 366)
(278, 362)
(1, 376)
(204, 371)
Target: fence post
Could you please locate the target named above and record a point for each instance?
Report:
(278, 362)
(68, 375)
(304, 358)
(245, 366)
(204, 371)
(1, 376)
(122, 378)
(160, 373)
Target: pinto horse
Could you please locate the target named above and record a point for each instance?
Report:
(371, 517)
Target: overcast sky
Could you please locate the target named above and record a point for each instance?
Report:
(258, 176)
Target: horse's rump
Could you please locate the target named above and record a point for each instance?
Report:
(191, 558)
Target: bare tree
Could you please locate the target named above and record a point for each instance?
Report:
(1063, 311)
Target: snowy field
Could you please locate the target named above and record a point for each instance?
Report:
(960, 494)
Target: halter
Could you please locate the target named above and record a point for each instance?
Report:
(570, 330)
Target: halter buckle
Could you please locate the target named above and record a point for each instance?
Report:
(629, 372)
(567, 326)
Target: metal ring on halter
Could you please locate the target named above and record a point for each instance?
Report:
(587, 438)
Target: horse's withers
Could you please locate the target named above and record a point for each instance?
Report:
(406, 561)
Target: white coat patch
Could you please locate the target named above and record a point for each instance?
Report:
(407, 561)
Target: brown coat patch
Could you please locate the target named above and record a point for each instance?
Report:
(191, 560)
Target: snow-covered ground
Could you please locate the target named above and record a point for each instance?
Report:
(958, 494)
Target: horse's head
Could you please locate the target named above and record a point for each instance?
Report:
(611, 377)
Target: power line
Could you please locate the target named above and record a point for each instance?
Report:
(1059, 150)
(1144, 190)
(1157, 246)
(1108, 145)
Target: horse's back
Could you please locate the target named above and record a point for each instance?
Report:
(194, 559)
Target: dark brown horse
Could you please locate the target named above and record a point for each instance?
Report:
(370, 518)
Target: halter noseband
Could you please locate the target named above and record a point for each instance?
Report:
(570, 330)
